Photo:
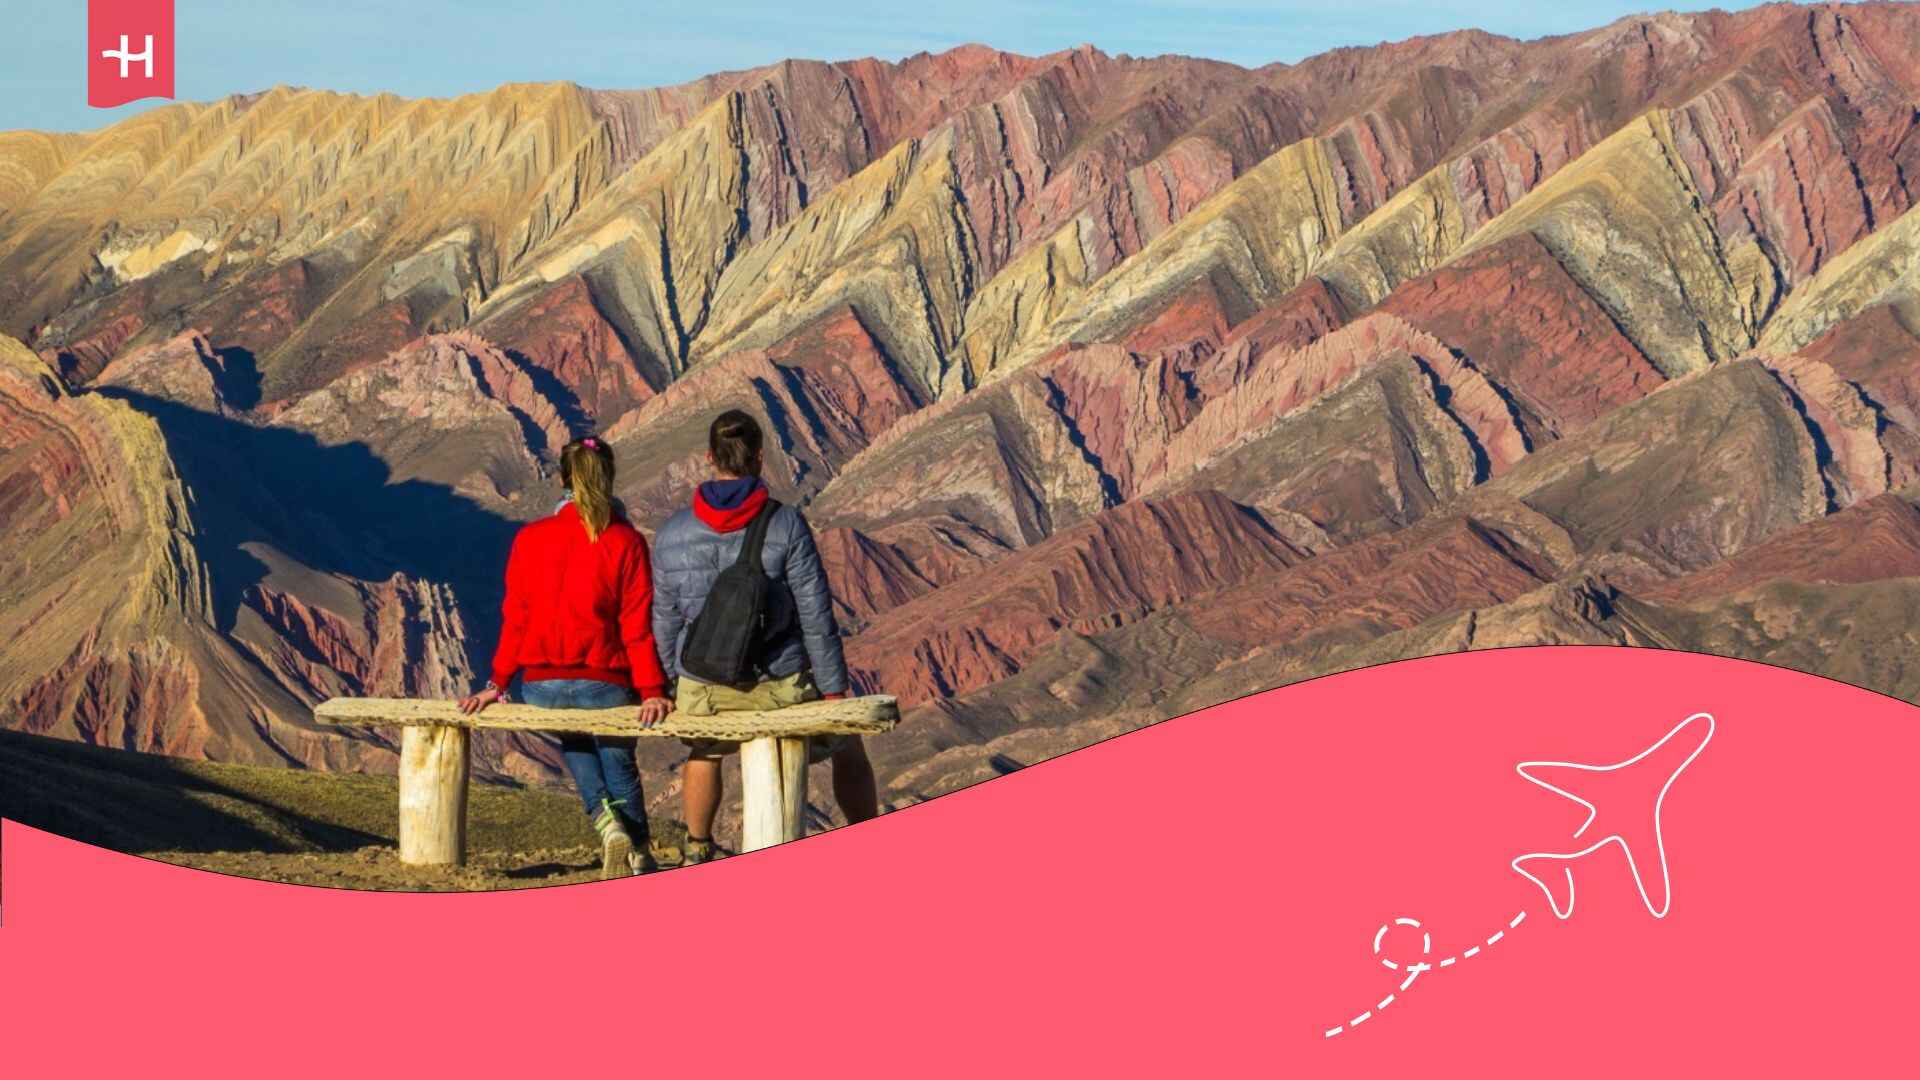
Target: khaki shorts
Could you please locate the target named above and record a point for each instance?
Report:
(705, 699)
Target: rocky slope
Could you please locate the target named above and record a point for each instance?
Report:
(1114, 386)
(175, 580)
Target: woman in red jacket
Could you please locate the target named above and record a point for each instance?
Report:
(577, 629)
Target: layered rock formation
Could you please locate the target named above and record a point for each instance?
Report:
(149, 607)
(103, 587)
(1113, 386)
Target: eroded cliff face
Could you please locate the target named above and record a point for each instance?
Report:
(1114, 568)
(1112, 386)
(134, 614)
(102, 583)
(451, 409)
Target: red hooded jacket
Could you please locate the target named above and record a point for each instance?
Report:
(579, 608)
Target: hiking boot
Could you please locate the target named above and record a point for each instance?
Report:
(616, 847)
(698, 851)
(642, 862)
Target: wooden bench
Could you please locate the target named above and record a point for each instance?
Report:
(434, 763)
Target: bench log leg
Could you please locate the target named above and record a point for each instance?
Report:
(433, 795)
(760, 795)
(793, 788)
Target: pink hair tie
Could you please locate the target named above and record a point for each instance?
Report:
(590, 443)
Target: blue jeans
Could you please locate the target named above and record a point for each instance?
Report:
(602, 766)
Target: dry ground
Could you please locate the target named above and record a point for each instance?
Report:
(290, 825)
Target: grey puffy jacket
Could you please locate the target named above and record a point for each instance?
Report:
(688, 555)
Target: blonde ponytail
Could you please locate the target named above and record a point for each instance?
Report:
(586, 467)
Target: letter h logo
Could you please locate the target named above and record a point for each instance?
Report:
(122, 55)
(116, 74)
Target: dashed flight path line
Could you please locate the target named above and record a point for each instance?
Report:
(1417, 968)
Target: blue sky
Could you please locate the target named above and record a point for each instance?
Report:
(440, 47)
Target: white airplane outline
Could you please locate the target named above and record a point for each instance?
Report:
(1633, 865)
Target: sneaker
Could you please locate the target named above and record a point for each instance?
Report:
(697, 851)
(616, 847)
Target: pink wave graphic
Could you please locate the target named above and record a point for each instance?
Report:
(1210, 895)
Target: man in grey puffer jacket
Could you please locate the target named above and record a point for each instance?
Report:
(803, 664)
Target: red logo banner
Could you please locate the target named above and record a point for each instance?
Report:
(129, 51)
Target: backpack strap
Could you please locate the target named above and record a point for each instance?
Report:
(756, 538)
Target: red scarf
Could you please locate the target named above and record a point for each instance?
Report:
(733, 519)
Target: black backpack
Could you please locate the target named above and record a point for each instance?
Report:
(740, 615)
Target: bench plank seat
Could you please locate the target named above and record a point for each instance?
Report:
(435, 757)
(849, 716)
